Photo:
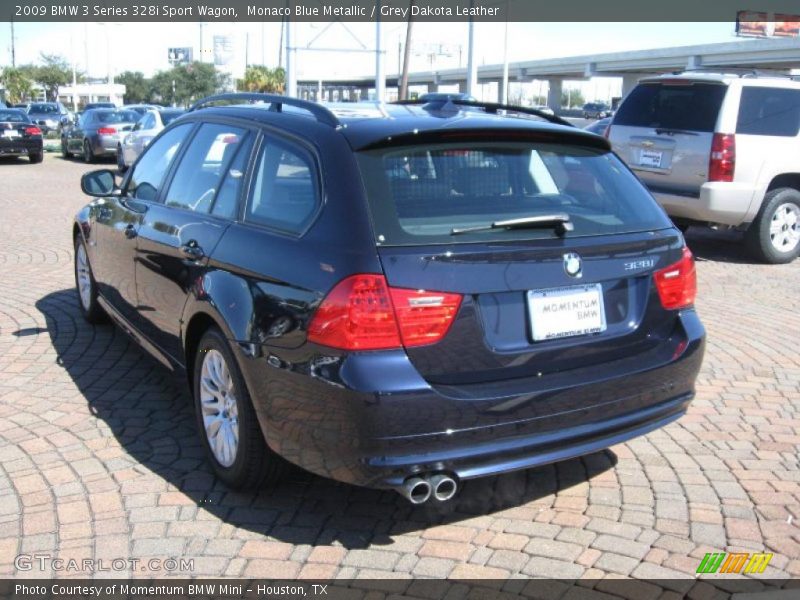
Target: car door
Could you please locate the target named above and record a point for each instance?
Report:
(179, 233)
(147, 132)
(75, 134)
(118, 218)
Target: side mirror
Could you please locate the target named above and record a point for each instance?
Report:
(99, 183)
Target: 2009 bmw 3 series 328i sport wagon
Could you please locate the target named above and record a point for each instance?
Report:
(398, 296)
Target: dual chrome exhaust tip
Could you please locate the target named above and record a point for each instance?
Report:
(421, 488)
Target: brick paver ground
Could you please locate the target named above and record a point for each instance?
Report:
(99, 457)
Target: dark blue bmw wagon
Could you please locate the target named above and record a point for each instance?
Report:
(398, 296)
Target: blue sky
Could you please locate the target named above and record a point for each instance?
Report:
(98, 48)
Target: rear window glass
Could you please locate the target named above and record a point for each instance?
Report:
(692, 107)
(117, 116)
(13, 116)
(769, 111)
(43, 108)
(419, 195)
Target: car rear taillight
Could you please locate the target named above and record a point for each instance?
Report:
(677, 283)
(363, 313)
(723, 157)
(106, 130)
(33, 131)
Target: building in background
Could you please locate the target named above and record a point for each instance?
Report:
(95, 91)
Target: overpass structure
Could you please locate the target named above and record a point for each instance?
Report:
(776, 53)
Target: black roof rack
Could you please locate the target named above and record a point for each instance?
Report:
(492, 108)
(276, 102)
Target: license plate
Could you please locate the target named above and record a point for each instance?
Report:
(11, 133)
(650, 158)
(567, 311)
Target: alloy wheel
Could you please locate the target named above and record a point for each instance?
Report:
(220, 409)
(784, 227)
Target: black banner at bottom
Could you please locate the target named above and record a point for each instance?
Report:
(712, 588)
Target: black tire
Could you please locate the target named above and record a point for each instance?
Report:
(90, 308)
(88, 154)
(64, 152)
(682, 224)
(121, 167)
(759, 238)
(36, 157)
(255, 465)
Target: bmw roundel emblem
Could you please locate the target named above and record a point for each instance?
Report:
(572, 264)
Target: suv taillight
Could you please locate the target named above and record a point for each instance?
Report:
(723, 157)
(677, 283)
(363, 313)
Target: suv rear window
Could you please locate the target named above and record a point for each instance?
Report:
(769, 111)
(692, 106)
(419, 194)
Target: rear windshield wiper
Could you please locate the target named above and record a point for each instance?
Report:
(673, 131)
(558, 221)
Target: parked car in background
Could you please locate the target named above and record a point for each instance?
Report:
(149, 126)
(599, 127)
(596, 110)
(404, 299)
(141, 109)
(544, 108)
(445, 96)
(19, 136)
(92, 105)
(49, 116)
(97, 133)
(720, 149)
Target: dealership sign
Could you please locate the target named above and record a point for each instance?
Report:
(762, 24)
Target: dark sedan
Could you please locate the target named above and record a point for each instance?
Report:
(49, 116)
(19, 136)
(97, 133)
(405, 299)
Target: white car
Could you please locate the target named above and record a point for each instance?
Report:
(720, 149)
(148, 127)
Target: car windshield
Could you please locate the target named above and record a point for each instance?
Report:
(420, 194)
(43, 108)
(13, 116)
(168, 116)
(116, 116)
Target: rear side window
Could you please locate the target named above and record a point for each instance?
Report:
(691, 107)
(419, 195)
(769, 111)
(285, 192)
(202, 167)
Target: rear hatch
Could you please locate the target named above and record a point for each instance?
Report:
(538, 297)
(664, 130)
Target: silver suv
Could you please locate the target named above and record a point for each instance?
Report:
(721, 149)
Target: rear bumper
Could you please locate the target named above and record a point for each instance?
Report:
(105, 144)
(717, 202)
(20, 147)
(371, 420)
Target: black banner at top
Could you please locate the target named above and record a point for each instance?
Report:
(386, 10)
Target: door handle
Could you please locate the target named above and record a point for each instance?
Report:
(192, 250)
(130, 232)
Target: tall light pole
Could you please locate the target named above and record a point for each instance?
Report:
(291, 66)
(13, 48)
(504, 91)
(380, 75)
(403, 92)
(472, 66)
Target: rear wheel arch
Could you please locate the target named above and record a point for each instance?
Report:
(790, 180)
(195, 329)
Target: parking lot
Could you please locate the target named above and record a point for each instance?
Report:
(99, 457)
